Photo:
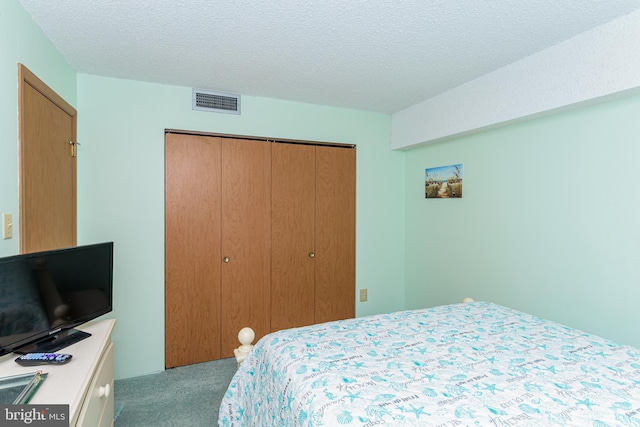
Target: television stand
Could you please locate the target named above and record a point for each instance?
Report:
(85, 383)
(55, 342)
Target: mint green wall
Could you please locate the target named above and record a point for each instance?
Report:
(22, 41)
(548, 222)
(121, 170)
(121, 190)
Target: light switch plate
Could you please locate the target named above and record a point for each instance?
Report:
(7, 226)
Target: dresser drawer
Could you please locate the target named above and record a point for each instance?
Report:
(97, 408)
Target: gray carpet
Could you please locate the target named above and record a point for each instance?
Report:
(184, 396)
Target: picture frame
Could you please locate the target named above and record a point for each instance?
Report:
(443, 182)
(19, 389)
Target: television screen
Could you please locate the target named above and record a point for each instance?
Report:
(44, 294)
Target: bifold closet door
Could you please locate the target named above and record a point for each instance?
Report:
(335, 233)
(293, 236)
(246, 239)
(192, 249)
(313, 235)
(257, 234)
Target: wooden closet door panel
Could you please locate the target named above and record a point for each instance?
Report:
(192, 249)
(335, 233)
(293, 231)
(246, 239)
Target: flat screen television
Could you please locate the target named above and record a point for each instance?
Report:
(44, 295)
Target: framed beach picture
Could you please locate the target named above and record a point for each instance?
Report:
(443, 182)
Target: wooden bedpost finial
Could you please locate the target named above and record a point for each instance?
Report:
(246, 337)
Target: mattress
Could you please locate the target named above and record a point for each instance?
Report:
(474, 364)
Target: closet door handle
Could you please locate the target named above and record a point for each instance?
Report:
(226, 259)
(312, 255)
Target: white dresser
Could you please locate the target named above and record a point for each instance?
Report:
(85, 383)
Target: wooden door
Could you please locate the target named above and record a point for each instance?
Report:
(47, 167)
(335, 233)
(293, 236)
(246, 239)
(192, 249)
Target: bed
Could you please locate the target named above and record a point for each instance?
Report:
(473, 364)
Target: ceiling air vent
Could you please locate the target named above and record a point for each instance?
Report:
(216, 101)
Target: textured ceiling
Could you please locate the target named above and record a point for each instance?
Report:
(377, 55)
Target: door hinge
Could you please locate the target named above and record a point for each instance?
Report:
(74, 148)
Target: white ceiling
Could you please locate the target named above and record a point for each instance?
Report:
(377, 55)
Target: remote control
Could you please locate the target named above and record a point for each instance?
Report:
(31, 359)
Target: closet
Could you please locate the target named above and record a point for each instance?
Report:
(257, 233)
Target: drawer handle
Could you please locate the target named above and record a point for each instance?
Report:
(105, 390)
